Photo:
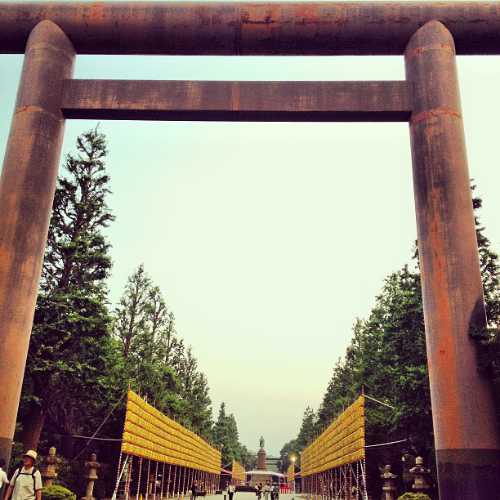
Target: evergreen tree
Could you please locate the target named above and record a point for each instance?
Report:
(307, 433)
(155, 360)
(387, 358)
(197, 412)
(70, 336)
(248, 458)
(225, 436)
(290, 448)
(133, 313)
(308, 428)
(490, 268)
(139, 320)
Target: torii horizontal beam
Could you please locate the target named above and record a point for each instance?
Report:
(232, 28)
(236, 101)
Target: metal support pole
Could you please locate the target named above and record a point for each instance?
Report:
(148, 478)
(183, 487)
(156, 479)
(171, 482)
(185, 482)
(179, 481)
(139, 480)
(466, 434)
(180, 473)
(168, 480)
(130, 468)
(185, 479)
(27, 188)
(162, 484)
(174, 481)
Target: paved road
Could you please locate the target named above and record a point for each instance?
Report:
(243, 495)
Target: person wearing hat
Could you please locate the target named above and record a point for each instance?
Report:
(26, 482)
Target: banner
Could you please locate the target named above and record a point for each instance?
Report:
(150, 434)
(290, 473)
(343, 442)
(238, 472)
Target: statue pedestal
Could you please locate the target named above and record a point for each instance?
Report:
(261, 459)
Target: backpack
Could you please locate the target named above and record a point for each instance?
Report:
(19, 473)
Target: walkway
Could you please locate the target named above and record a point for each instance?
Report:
(243, 495)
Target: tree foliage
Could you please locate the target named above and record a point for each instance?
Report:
(70, 336)
(226, 437)
(307, 432)
(155, 361)
(387, 359)
(83, 354)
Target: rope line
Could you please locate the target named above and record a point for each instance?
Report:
(380, 402)
(101, 426)
(386, 444)
(94, 438)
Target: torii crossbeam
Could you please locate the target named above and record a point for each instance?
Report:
(428, 34)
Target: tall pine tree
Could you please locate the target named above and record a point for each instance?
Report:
(155, 361)
(225, 435)
(71, 325)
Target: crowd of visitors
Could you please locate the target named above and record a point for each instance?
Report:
(270, 491)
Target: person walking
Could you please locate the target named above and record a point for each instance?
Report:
(194, 489)
(231, 490)
(276, 491)
(259, 491)
(267, 490)
(26, 482)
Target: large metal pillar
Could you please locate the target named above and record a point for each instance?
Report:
(27, 189)
(466, 433)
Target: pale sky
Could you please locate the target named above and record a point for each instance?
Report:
(268, 240)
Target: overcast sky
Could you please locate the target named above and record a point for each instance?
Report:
(268, 240)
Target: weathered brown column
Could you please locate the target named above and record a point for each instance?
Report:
(26, 192)
(465, 426)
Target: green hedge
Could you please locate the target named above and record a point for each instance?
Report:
(414, 496)
(57, 492)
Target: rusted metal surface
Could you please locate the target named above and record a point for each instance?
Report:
(236, 101)
(244, 28)
(466, 433)
(26, 192)
(465, 422)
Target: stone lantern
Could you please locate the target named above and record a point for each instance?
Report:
(91, 468)
(421, 483)
(389, 484)
(49, 472)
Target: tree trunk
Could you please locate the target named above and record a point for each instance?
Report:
(68, 446)
(32, 427)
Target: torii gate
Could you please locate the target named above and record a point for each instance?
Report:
(428, 34)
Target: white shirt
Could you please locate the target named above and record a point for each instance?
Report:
(24, 489)
(3, 478)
